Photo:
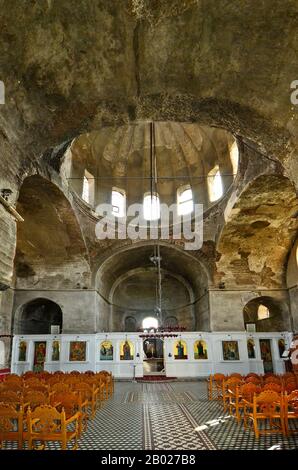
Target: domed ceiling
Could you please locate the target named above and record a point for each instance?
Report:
(179, 153)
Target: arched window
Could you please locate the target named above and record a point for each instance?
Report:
(118, 202)
(150, 322)
(151, 206)
(234, 156)
(215, 184)
(184, 200)
(263, 312)
(88, 188)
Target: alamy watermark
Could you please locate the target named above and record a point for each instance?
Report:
(169, 225)
(2, 92)
(294, 94)
(294, 355)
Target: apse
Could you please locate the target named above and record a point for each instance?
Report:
(132, 288)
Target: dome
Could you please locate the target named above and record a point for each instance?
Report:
(166, 156)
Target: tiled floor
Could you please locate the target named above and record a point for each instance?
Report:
(165, 416)
(170, 416)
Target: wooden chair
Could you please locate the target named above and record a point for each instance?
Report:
(229, 389)
(71, 402)
(72, 380)
(11, 424)
(13, 387)
(273, 386)
(253, 374)
(253, 380)
(28, 374)
(218, 380)
(236, 374)
(242, 397)
(268, 407)
(290, 387)
(30, 382)
(13, 378)
(34, 398)
(9, 396)
(46, 424)
(39, 388)
(272, 379)
(60, 387)
(101, 386)
(88, 396)
(54, 379)
(291, 410)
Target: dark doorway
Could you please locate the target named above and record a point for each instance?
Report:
(266, 355)
(153, 356)
(38, 316)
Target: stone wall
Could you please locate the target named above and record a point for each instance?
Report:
(78, 307)
(226, 309)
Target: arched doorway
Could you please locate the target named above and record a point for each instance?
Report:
(37, 317)
(153, 356)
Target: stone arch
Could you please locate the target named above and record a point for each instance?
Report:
(51, 251)
(37, 316)
(133, 265)
(278, 319)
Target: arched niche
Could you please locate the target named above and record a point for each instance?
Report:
(130, 324)
(277, 320)
(37, 316)
(50, 251)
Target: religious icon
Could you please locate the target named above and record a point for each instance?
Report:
(266, 356)
(77, 351)
(39, 356)
(251, 349)
(22, 350)
(106, 351)
(281, 346)
(126, 351)
(56, 350)
(200, 350)
(180, 350)
(230, 350)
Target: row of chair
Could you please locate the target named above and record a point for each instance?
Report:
(266, 401)
(285, 382)
(36, 405)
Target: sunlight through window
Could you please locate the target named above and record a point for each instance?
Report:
(151, 207)
(150, 322)
(185, 200)
(118, 203)
(215, 184)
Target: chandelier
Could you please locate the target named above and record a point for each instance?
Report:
(155, 258)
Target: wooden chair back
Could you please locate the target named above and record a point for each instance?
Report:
(45, 423)
(11, 424)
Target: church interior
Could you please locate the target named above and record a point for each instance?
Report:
(148, 224)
